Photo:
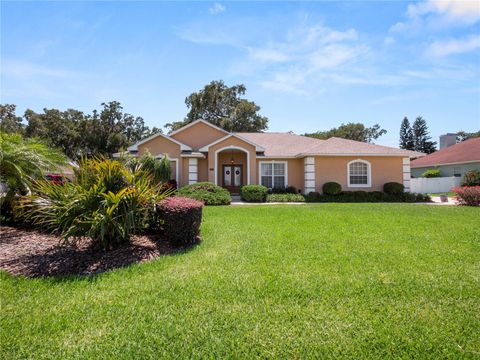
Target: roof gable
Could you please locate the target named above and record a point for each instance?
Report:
(257, 147)
(198, 134)
(134, 147)
(199, 121)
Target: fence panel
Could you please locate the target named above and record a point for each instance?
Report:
(434, 185)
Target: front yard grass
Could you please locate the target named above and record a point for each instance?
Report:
(319, 280)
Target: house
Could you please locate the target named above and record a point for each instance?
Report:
(201, 151)
(453, 160)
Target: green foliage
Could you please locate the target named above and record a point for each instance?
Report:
(223, 106)
(159, 169)
(103, 132)
(468, 195)
(164, 169)
(364, 196)
(106, 202)
(287, 197)
(393, 188)
(351, 131)
(207, 192)
(9, 121)
(406, 135)
(462, 135)
(22, 161)
(254, 193)
(431, 173)
(471, 178)
(421, 137)
(332, 188)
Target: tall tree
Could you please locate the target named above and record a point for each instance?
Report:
(9, 121)
(406, 135)
(421, 137)
(351, 131)
(223, 106)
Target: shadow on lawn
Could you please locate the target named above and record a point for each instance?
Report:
(30, 253)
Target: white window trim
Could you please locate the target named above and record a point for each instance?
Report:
(369, 174)
(272, 162)
(232, 147)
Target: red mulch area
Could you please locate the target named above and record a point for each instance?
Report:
(30, 253)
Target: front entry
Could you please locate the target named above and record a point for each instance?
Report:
(232, 178)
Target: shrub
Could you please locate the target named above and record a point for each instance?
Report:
(254, 193)
(159, 169)
(291, 190)
(331, 188)
(393, 188)
(285, 198)
(208, 193)
(182, 218)
(471, 178)
(431, 173)
(363, 196)
(468, 195)
(106, 202)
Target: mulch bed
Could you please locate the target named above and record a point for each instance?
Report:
(28, 252)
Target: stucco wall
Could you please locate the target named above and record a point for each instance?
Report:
(198, 135)
(231, 141)
(446, 170)
(295, 171)
(334, 168)
(160, 145)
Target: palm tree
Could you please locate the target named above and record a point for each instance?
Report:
(21, 162)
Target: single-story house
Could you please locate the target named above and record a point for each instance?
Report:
(201, 151)
(454, 160)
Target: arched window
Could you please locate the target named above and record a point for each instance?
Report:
(359, 173)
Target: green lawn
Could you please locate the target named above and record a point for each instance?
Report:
(305, 281)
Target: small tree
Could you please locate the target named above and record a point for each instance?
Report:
(164, 169)
(406, 135)
(421, 137)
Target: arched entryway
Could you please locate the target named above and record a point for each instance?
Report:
(232, 168)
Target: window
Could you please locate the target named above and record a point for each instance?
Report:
(273, 174)
(359, 173)
(457, 172)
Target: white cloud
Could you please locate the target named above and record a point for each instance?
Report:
(24, 69)
(438, 14)
(453, 46)
(217, 8)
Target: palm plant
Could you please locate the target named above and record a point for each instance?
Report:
(22, 161)
(107, 202)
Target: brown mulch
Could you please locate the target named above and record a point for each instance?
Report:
(28, 252)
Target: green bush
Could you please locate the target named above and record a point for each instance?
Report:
(207, 192)
(471, 178)
(331, 188)
(106, 202)
(393, 188)
(364, 196)
(285, 198)
(431, 173)
(254, 193)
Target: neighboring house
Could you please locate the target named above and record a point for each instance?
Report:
(201, 151)
(453, 160)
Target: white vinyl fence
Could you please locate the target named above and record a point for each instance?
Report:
(434, 185)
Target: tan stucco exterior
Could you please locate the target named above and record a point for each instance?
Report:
(226, 146)
(295, 171)
(334, 168)
(309, 172)
(198, 135)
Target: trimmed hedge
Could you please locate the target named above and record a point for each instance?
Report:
(208, 193)
(431, 173)
(284, 190)
(254, 193)
(331, 188)
(181, 219)
(364, 196)
(468, 195)
(285, 198)
(393, 188)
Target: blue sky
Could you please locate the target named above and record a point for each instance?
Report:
(310, 66)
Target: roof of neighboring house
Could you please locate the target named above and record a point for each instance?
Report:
(292, 145)
(465, 151)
